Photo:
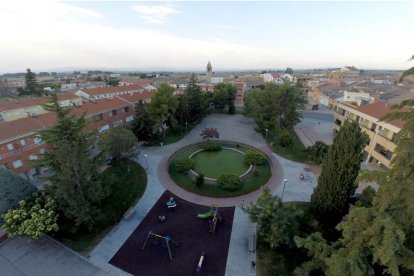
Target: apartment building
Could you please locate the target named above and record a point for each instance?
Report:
(381, 134)
(20, 143)
(18, 109)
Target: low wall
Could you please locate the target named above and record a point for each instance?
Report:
(213, 181)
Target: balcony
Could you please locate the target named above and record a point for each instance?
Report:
(20, 150)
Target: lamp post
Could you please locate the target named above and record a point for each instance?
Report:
(186, 129)
(146, 162)
(284, 185)
(266, 133)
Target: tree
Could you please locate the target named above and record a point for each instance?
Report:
(163, 106)
(142, 126)
(196, 107)
(210, 133)
(74, 185)
(32, 87)
(336, 183)
(224, 95)
(34, 217)
(317, 152)
(275, 106)
(407, 72)
(119, 143)
(289, 70)
(277, 225)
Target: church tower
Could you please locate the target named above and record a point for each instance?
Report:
(209, 73)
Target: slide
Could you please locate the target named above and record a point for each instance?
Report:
(205, 215)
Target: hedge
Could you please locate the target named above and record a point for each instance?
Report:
(211, 146)
(183, 165)
(252, 157)
(229, 181)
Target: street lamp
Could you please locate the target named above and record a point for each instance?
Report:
(186, 129)
(266, 133)
(146, 161)
(284, 185)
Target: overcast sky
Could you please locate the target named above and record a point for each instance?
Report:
(185, 35)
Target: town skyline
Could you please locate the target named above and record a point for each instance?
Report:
(183, 36)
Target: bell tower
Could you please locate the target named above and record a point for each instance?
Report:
(209, 73)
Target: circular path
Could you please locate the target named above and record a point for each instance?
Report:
(236, 128)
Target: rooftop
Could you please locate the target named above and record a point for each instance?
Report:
(379, 109)
(22, 103)
(112, 89)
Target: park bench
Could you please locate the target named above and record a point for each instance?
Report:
(252, 243)
(128, 213)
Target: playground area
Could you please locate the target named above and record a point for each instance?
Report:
(171, 241)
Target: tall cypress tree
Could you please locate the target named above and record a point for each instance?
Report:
(74, 185)
(32, 87)
(142, 125)
(339, 171)
(196, 105)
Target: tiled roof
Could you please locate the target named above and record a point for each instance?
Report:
(35, 101)
(100, 106)
(112, 89)
(135, 97)
(379, 109)
(24, 126)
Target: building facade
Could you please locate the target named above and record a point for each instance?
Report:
(380, 149)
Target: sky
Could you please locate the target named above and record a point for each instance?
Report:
(173, 35)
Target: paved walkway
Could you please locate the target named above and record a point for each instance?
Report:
(315, 126)
(231, 127)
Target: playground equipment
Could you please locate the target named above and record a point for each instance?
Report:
(213, 212)
(200, 262)
(171, 203)
(167, 240)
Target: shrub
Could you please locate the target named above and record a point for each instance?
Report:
(317, 152)
(252, 157)
(211, 146)
(285, 138)
(229, 181)
(256, 174)
(182, 165)
(365, 200)
(199, 181)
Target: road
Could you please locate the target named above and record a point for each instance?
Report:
(315, 126)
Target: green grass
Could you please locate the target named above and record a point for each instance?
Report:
(126, 189)
(214, 163)
(280, 261)
(174, 135)
(250, 184)
(295, 153)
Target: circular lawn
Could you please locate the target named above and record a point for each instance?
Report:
(212, 164)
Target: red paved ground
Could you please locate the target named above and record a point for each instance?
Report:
(182, 226)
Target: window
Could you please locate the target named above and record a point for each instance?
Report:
(98, 118)
(17, 164)
(10, 146)
(37, 140)
(22, 142)
(114, 112)
(118, 123)
(33, 157)
(126, 109)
